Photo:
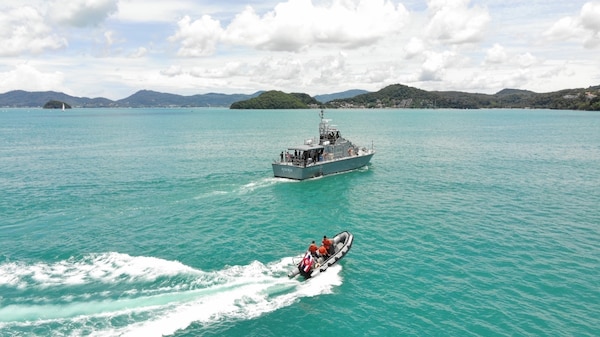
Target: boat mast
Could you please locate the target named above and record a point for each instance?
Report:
(323, 127)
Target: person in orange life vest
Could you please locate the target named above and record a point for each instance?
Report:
(313, 248)
(323, 252)
(327, 243)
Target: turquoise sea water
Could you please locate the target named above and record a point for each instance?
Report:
(151, 222)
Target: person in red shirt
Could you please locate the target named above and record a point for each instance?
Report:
(313, 248)
(327, 243)
(323, 252)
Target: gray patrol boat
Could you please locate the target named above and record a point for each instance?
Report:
(332, 153)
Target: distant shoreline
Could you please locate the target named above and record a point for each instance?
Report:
(393, 96)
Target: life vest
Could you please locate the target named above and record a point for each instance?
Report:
(323, 250)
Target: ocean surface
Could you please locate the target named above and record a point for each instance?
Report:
(152, 222)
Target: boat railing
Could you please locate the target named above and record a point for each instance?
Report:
(292, 160)
(326, 157)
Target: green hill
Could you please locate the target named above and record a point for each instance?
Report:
(401, 96)
(277, 100)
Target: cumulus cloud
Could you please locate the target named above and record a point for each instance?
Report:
(228, 70)
(434, 67)
(280, 69)
(24, 29)
(109, 37)
(584, 28)
(346, 23)
(29, 28)
(590, 21)
(331, 68)
(590, 16)
(496, 55)
(380, 75)
(172, 71)
(247, 29)
(199, 37)
(139, 52)
(272, 71)
(564, 29)
(27, 77)
(157, 10)
(414, 47)
(295, 25)
(499, 56)
(454, 22)
(526, 60)
(81, 13)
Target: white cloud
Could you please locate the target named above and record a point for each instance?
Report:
(563, 29)
(81, 13)
(197, 38)
(24, 30)
(227, 70)
(140, 52)
(31, 27)
(172, 71)
(414, 47)
(499, 56)
(27, 77)
(273, 72)
(330, 69)
(584, 28)
(247, 29)
(144, 11)
(496, 55)
(295, 25)
(109, 37)
(526, 60)
(590, 16)
(380, 75)
(434, 67)
(278, 70)
(556, 71)
(590, 21)
(454, 22)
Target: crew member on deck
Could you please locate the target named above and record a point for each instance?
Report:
(326, 243)
(313, 248)
(323, 252)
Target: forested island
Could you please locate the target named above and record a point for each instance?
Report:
(278, 100)
(56, 105)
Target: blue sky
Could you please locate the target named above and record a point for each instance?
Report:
(113, 48)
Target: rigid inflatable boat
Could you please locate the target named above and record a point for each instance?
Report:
(312, 265)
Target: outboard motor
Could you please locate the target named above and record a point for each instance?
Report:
(305, 266)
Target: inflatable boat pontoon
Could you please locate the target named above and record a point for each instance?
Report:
(312, 265)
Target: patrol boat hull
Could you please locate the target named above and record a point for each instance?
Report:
(284, 170)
